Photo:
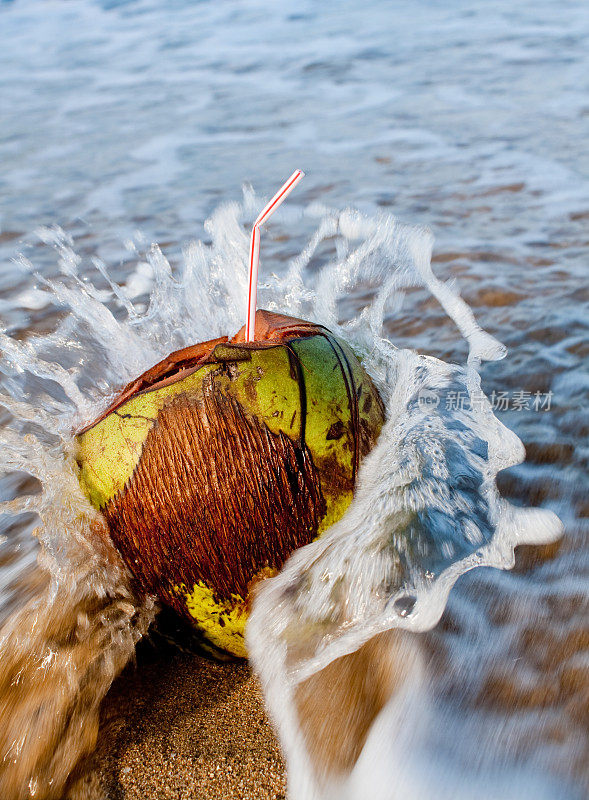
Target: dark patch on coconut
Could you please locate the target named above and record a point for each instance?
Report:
(215, 497)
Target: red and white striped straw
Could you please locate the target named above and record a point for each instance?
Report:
(266, 212)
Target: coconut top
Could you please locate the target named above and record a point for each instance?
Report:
(270, 329)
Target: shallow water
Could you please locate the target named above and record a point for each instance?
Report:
(126, 124)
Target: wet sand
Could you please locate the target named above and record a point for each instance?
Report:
(180, 725)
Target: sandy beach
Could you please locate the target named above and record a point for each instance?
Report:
(179, 725)
(139, 142)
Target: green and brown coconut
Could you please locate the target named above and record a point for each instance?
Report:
(218, 462)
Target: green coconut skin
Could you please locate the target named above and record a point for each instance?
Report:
(310, 388)
(262, 381)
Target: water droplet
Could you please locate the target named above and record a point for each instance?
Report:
(404, 605)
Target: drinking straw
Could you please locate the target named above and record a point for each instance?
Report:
(267, 211)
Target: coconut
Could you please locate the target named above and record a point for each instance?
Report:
(217, 463)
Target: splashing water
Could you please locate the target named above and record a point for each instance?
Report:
(426, 508)
(425, 511)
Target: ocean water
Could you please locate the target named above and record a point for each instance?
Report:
(127, 124)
